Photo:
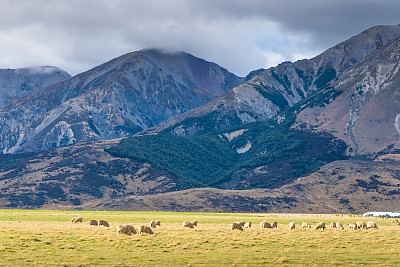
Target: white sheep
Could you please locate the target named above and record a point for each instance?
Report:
(353, 226)
(292, 225)
(93, 222)
(339, 226)
(237, 226)
(187, 224)
(153, 224)
(241, 223)
(265, 224)
(145, 229)
(371, 224)
(320, 225)
(361, 225)
(126, 229)
(77, 219)
(104, 223)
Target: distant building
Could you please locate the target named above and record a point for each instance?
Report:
(389, 214)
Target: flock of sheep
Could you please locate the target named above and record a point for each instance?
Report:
(358, 225)
(240, 225)
(129, 229)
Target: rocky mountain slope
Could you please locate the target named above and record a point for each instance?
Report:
(274, 90)
(116, 99)
(16, 83)
(366, 114)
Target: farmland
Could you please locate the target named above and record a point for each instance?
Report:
(48, 237)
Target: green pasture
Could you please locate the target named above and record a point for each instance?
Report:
(48, 237)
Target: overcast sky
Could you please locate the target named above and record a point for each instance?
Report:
(241, 36)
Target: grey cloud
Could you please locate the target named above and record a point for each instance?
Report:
(239, 35)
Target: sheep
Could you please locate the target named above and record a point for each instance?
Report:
(247, 225)
(126, 229)
(333, 225)
(371, 224)
(145, 229)
(103, 222)
(339, 226)
(237, 226)
(292, 225)
(93, 222)
(194, 223)
(265, 224)
(353, 226)
(274, 225)
(153, 224)
(77, 219)
(305, 225)
(361, 225)
(320, 225)
(241, 223)
(187, 224)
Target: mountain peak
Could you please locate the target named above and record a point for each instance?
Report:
(16, 83)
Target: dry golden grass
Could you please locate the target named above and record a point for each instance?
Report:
(38, 237)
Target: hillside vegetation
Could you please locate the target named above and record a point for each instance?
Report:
(213, 159)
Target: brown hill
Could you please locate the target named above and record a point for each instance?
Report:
(85, 177)
(339, 187)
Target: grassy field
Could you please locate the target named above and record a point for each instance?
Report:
(47, 237)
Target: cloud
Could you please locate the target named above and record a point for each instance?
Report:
(239, 35)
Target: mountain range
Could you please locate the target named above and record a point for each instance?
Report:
(116, 99)
(316, 135)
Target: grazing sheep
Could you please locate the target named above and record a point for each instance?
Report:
(265, 224)
(77, 219)
(237, 226)
(104, 223)
(371, 224)
(333, 225)
(241, 223)
(93, 222)
(194, 223)
(153, 224)
(339, 226)
(126, 229)
(353, 226)
(274, 225)
(292, 225)
(320, 225)
(187, 224)
(361, 225)
(305, 225)
(145, 229)
(247, 225)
